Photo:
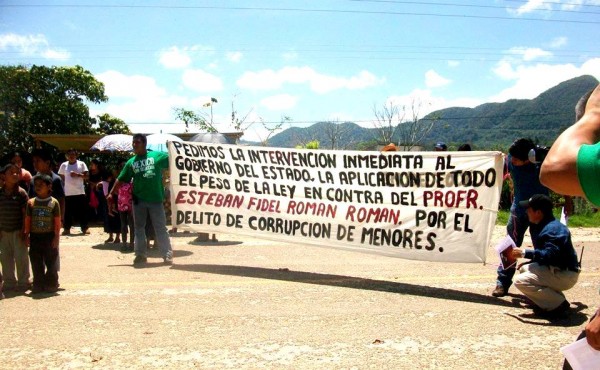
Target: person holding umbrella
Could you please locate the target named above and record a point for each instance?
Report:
(145, 168)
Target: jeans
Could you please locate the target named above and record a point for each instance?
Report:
(141, 211)
(516, 228)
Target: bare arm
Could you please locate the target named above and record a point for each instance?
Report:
(115, 188)
(559, 170)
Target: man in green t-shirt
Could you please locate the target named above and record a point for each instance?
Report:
(145, 168)
(572, 167)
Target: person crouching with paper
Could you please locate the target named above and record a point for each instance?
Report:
(553, 267)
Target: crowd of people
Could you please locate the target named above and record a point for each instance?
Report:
(130, 199)
(35, 208)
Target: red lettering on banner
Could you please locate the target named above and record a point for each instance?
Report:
(450, 199)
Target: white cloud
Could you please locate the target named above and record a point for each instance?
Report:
(174, 57)
(532, 80)
(433, 79)
(234, 56)
(119, 85)
(289, 56)
(453, 63)
(270, 80)
(531, 6)
(529, 54)
(181, 57)
(544, 5)
(201, 81)
(279, 102)
(56, 54)
(136, 98)
(424, 102)
(32, 45)
(558, 42)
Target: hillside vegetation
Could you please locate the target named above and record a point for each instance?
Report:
(488, 126)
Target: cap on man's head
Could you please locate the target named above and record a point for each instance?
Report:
(441, 146)
(538, 202)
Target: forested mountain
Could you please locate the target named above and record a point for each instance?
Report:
(490, 125)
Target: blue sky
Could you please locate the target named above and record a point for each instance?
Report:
(308, 60)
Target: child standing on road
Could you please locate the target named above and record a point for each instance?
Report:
(42, 226)
(125, 208)
(13, 250)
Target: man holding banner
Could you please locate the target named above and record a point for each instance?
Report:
(148, 194)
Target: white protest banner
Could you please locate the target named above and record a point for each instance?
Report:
(432, 206)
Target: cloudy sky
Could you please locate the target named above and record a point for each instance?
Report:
(308, 60)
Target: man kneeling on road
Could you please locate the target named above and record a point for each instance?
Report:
(553, 267)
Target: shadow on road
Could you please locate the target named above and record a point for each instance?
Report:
(215, 243)
(574, 318)
(344, 282)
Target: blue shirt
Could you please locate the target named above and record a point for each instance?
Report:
(526, 183)
(552, 245)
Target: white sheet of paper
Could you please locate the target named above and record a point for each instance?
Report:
(581, 356)
(504, 244)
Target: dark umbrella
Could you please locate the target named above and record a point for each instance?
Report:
(214, 138)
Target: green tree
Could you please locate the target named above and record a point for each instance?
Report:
(45, 100)
(106, 124)
(272, 129)
(194, 118)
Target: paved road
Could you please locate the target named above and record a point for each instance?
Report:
(249, 304)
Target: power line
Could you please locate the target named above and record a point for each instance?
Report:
(264, 9)
(469, 5)
(561, 3)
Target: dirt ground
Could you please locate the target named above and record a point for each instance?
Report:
(242, 303)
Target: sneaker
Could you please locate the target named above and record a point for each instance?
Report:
(37, 289)
(168, 260)
(139, 260)
(85, 232)
(66, 232)
(499, 291)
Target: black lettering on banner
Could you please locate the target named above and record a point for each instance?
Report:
(313, 193)
(242, 186)
(345, 233)
(245, 170)
(405, 238)
(325, 177)
(404, 198)
(237, 154)
(234, 221)
(461, 223)
(198, 218)
(436, 219)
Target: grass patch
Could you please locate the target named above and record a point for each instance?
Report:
(587, 219)
(502, 218)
